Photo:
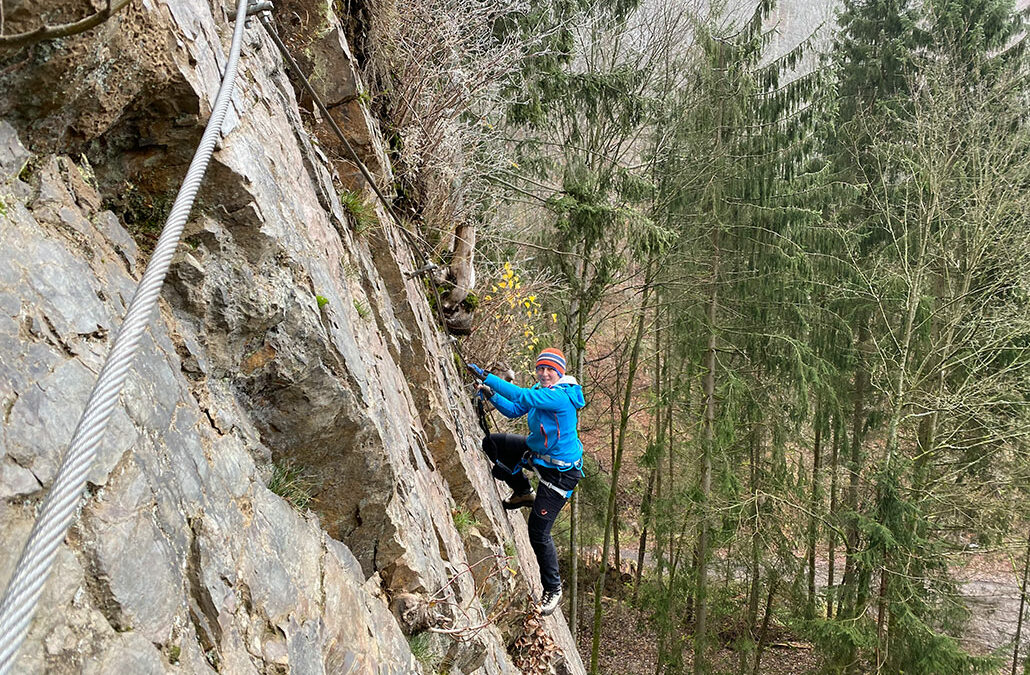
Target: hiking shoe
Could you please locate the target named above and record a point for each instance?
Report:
(549, 602)
(519, 501)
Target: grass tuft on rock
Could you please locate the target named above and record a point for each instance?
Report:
(424, 650)
(464, 521)
(291, 483)
(361, 212)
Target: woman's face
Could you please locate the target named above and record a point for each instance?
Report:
(547, 376)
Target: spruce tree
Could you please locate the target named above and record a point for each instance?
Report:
(871, 60)
(911, 137)
(733, 178)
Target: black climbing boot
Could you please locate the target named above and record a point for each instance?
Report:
(519, 501)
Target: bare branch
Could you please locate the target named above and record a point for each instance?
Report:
(46, 32)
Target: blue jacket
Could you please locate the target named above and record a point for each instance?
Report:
(551, 413)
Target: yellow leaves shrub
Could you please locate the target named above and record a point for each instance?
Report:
(509, 325)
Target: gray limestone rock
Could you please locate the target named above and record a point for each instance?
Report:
(13, 155)
(132, 653)
(16, 481)
(107, 224)
(41, 420)
(124, 541)
(183, 558)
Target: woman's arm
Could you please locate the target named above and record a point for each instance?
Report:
(507, 408)
(503, 387)
(544, 399)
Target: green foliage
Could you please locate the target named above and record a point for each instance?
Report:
(838, 639)
(174, 652)
(28, 170)
(874, 55)
(464, 521)
(426, 651)
(143, 213)
(362, 308)
(322, 301)
(362, 214)
(541, 82)
(349, 268)
(593, 491)
(981, 38)
(292, 483)
(816, 231)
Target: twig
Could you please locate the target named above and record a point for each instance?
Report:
(46, 32)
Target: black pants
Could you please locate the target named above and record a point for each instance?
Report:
(507, 451)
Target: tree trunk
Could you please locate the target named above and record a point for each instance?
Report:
(889, 483)
(670, 449)
(461, 274)
(1022, 602)
(765, 623)
(881, 615)
(645, 505)
(623, 424)
(849, 590)
(813, 507)
(701, 595)
(574, 504)
(617, 558)
(832, 544)
(615, 543)
(659, 544)
(674, 641)
(755, 568)
(645, 516)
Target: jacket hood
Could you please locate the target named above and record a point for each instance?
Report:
(570, 386)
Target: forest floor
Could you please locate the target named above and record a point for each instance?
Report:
(987, 583)
(631, 648)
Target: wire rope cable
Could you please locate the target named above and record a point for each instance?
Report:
(58, 509)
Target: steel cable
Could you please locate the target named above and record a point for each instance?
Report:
(58, 510)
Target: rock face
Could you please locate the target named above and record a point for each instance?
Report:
(287, 337)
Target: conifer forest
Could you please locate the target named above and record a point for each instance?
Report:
(786, 249)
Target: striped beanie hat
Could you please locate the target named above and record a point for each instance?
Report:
(553, 358)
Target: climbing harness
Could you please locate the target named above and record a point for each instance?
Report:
(565, 493)
(560, 464)
(58, 509)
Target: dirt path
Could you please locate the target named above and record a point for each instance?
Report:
(994, 611)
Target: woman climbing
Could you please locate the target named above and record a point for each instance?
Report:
(552, 449)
